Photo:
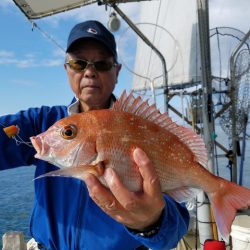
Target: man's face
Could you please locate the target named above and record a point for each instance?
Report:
(91, 86)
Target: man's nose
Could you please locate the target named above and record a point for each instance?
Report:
(90, 71)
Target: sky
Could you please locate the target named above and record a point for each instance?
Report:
(31, 65)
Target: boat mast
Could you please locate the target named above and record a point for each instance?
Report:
(205, 224)
(207, 102)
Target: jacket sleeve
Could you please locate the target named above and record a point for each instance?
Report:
(14, 152)
(174, 225)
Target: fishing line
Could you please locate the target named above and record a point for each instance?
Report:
(2, 125)
(20, 141)
(12, 132)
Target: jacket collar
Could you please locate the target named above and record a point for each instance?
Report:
(73, 108)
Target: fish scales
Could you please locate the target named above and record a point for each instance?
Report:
(110, 136)
(126, 131)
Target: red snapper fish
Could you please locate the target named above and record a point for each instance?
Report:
(79, 143)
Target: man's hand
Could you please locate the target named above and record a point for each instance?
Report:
(136, 210)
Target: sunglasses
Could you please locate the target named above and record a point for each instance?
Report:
(79, 65)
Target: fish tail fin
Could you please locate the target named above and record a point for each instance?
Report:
(227, 199)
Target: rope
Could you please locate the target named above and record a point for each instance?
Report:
(34, 25)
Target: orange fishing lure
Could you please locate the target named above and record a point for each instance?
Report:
(11, 131)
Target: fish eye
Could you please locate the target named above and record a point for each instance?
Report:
(69, 132)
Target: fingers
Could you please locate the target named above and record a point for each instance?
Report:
(151, 183)
(105, 199)
(101, 195)
(126, 198)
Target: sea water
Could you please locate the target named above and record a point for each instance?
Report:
(16, 200)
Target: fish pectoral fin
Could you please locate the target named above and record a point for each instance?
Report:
(76, 172)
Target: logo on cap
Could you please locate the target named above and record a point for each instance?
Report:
(91, 30)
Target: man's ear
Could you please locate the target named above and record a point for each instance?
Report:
(118, 68)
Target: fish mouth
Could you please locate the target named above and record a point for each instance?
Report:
(37, 144)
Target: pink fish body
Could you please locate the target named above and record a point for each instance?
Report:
(78, 143)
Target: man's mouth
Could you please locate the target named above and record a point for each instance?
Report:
(91, 86)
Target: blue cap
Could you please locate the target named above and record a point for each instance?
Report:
(92, 30)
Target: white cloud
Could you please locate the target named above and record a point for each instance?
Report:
(6, 3)
(29, 60)
(27, 83)
(230, 13)
(51, 63)
(58, 53)
(6, 54)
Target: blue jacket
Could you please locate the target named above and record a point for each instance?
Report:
(64, 216)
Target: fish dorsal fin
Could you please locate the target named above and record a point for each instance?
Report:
(139, 107)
